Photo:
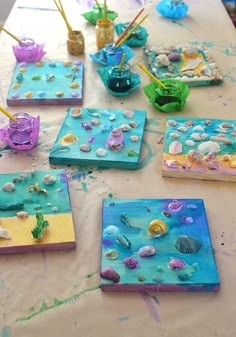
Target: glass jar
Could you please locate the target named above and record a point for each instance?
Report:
(104, 33)
(173, 93)
(112, 54)
(19, 132)
(28, 51)
(75, 43)
(119, 79)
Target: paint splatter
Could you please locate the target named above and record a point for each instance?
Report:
(5, 332)
(151, 307)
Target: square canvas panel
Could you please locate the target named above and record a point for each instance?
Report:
(100, 137)
(189, 63)
(47, 83)
(27, 194)
(200, 148)
(156, 245)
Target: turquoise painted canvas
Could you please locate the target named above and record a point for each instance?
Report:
(156, 245)
(47, 83)
(100, 137)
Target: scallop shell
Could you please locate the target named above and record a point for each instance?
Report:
(187, 244)
(85, 147)
(162, 60)
(111, 254)
(110, 274)
(101, 152)
(129, 114)
(195, 155)
(22, 214)
(146, 251)
(76, 112)
(8, 187)
(157, 228)
(49, 179)
(209, 146)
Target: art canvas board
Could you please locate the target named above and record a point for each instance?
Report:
(156, 245)
(25, 194)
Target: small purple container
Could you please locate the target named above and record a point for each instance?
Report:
(28, 51)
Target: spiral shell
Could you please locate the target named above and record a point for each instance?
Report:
(157, 228)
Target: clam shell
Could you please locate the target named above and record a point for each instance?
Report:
(22, 214)
(76, 112)
(209, 146)
(68, 139)
(8, 187)
(175, 147)
(101, 152)
(187, 244)
(189, 142)
(182, 129)
(146, 251)
(172, 122)
(125, 127)
(134, 138)
(111, 254)
(85, 147)
(128, 113)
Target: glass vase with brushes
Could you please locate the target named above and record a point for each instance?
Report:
(119, 79)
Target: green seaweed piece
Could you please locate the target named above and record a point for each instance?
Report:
(6, 207)
(41, 226)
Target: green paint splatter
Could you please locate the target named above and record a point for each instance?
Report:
(84, 186)
(182, 25)
(56, 303)
(91, 274)
(6, 332)
(110, 196)
(148, 158)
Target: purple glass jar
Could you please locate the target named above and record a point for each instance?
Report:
(28, 51)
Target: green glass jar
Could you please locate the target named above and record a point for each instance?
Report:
(119, 79)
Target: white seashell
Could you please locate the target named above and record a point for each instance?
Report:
(198, 137)
(8, 187)
(22, 214)
(112, 117)
(134, 138)
(54, 209)
(49, 179)
(49, 204)
(198, 128)
(195, 155)
(174, 135)
(101, 152)
(206, 71)
(85, 148)
(226, 125)
(209, 146)
(190, 50)
(168, 75)
(162, 51)
(162, 60)
(4, 233)
(125, 127)
(175, 147)
(189, 142)
(172, 163)
(76, 112)
(171, 122)
(182, 129)
(59, 189)
(223, 140)
(128, 113)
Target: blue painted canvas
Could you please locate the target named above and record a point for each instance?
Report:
(100, 137)
(156, 245)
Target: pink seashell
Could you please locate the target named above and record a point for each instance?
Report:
(176, 264)
(175, 206)
(110, 274)
(130, 262)
(146, 251)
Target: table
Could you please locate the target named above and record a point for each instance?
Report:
(57, 293)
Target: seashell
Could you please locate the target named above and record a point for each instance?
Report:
(146, 251)
(156, 228)
(101, 152)
(206, 71)
(16, 86)
(74, 85)
(68, 139)
(54, 209)
(176, 264)
(76, 112)
(226, 125)
(48, 179)
(133, 124)
(128, 114)
(207, 122)
(130, 262)
(187, 244)
(183, 276)
(189, 142)
(189, 123)
(168, 74)
(125, 127)
(162, 60)
(182, 129)
(199, 137)
(186, 220)
(112, 117)
(111, 254)
(174, 135)
(91, 139)
(175, 205)
(173, 57)
(162, 50)
(85, 147)
(226, 157)
(192, 206)
(38, 64)
(111, 230)
(223, 140)
(134, 138)
(198, 128)
(172, 163)
(59, 93)
(195, 155)
(50, 77)
(167, 214)
(210, 156)
(22, 214)
(175, 147)
(221, 130)
(141, 278)
(212, 165)
(190, 50)
(110, 274)
(22, 69)
(4, 233)
(28, 94)
(171, 122)
(67, 63)
(209, 146)
(95, 122)
(8, 187)
(41, 93)
(123, 241)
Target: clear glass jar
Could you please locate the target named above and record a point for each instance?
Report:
(28, 51)
(119, 79)
(20, 132)
(104, 33)
(75, 43)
